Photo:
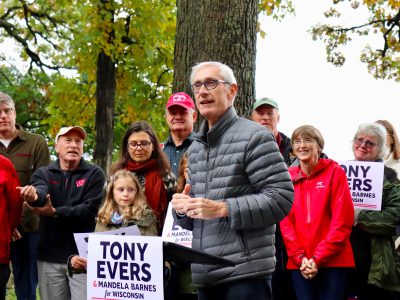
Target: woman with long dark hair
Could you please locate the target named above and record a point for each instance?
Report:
(142, 155)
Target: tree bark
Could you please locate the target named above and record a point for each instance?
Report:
(105, 93)
(215, 30)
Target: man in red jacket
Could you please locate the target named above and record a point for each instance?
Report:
(10, 216)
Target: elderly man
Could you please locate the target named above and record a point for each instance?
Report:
(66, 194)
(27, 152)
(240, 188)
(266, 113)
(180, 115)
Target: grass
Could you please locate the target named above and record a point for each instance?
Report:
(11, 293)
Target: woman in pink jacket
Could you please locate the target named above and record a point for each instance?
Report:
(317, 230)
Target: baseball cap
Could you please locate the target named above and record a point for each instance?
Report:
(65, 130)
(265, 101)
(181, 99)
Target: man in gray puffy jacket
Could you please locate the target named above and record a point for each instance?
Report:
(240, 189)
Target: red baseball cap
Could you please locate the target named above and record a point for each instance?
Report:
(181, 99)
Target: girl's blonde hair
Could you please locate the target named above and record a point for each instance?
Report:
(134, 211)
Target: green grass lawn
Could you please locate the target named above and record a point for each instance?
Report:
(11, 294)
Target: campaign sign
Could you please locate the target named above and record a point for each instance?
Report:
(173, 233)
(366, 183)
(82, 239)
(125, 267)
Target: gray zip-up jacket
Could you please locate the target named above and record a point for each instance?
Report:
(237, 161)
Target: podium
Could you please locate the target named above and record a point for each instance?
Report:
(181, 254)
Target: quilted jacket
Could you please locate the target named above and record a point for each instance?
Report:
(237, 161)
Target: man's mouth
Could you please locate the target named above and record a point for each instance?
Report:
(72, 152)
(203, 102)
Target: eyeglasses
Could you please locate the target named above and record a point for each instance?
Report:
(7, 111)
(305, 141)
(208, 84)
(368, 144)
(143, 144)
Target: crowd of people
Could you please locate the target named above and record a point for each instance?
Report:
(277, 207)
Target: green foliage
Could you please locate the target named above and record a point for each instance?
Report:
(384, 20)
(29, 92)
(61, 35)
(277, 9)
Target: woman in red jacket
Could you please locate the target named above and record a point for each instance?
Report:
(317, 230)
(10, 216)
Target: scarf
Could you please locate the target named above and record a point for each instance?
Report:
(116, 218)
(154, 189)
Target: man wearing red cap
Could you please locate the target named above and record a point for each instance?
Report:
(66, 194)
(180, 115)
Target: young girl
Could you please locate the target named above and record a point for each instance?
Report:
(125, 205)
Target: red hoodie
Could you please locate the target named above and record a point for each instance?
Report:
(321, 219)
(10, 207)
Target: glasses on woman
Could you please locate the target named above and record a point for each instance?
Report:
(368, 144)
(307, 141)
(143, 144)
(209, 84)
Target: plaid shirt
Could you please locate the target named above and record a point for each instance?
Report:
(175, 153)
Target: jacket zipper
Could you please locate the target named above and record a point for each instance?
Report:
(308, 204)
(206, 191)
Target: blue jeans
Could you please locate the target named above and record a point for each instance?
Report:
(4, 276)
(328, 284)
(244, 289)
(24, 267)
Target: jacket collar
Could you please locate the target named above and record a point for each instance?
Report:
(297, 174)
(83, 165)
(170, 141)
(211, 136)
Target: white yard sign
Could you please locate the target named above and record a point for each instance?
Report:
(173, 233)
(82, 239)
(366, 183)
(125, 267)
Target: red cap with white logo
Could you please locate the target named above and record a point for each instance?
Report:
(181, 99)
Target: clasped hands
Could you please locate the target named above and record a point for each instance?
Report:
(308, 268)
(197, 208)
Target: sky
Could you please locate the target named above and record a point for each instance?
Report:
(292, 69)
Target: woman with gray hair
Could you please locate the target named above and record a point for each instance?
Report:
(377, 273)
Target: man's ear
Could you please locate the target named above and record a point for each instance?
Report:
(56, 148)
(233, 88)
(194, 116)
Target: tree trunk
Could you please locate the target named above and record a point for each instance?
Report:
(105, 92)
(222, 31)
